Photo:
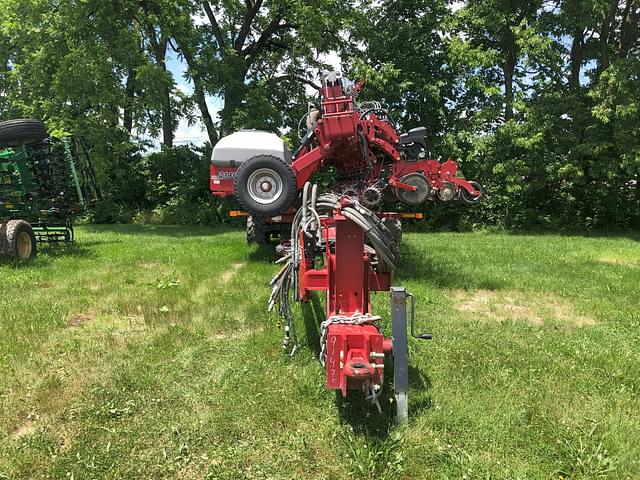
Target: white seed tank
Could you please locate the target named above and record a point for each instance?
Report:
(234, 149)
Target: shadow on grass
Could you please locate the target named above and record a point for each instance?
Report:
(75, 249)
(313, 315)
(47, 253)
(419, 386)
(632, 233)
(364, 417)
(608, 234)
(264, 253)
(418, 265)
(179, 231)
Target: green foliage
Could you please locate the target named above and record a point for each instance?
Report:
(550, 127)
(537, 101)
(169, 186)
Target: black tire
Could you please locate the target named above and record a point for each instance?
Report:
(17, 240)
(256, 232)
(394, 225)
(22, 131)
(251, 231)
(279, 172)
(420, 195)
(469, 199)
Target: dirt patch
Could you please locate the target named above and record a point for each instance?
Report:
(619, 261)
(24, 430)
(80, 319)
(227, 276)
(65, 439)
(513, 305)
(129, 324)
(499, 305)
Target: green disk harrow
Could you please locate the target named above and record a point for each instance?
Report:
(44, 185)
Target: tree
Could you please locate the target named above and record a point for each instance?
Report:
(496, 28)
(241, 46)
(538, 99)
(397, 48)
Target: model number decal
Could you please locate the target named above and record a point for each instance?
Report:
(224, 176)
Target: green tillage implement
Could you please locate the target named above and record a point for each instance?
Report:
(47, 185)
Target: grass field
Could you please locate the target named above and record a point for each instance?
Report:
(146, 352)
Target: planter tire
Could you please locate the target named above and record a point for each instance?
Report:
(265, 186)
(469, 199)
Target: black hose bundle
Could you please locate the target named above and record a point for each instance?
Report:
(377, 234)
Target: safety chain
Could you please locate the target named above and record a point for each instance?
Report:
(355, 319)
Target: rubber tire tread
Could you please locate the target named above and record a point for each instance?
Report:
(466, 196)
(9, 233)
(22, 131)
(394, 226)
(255, 233)
(290, 190)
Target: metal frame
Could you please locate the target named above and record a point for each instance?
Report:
(355, 141)
(400, 352)
(31, 177)
(353, 348)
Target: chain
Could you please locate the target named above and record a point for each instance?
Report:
(355, 319)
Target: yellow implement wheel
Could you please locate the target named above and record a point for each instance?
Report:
(24, 245)
(17, 239)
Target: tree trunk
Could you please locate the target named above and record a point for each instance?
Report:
(199, 94)
(508, 68)
(167, 119)
(130, 92)
(234, 93)
(237, 57)
(576, 56)
(629, 28)
(232, 100)
(167, 116)
(204, 111)
(604, 37)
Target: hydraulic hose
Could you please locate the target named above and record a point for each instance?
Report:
(307, 220)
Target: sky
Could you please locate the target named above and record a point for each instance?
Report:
(185, 133)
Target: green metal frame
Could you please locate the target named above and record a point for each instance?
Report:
(26, 192)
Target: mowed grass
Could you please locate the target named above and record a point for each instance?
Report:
(146, 352)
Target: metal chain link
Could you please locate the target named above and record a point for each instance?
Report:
(355, 319)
